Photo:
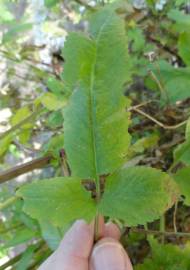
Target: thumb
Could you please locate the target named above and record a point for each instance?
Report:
(108, 254)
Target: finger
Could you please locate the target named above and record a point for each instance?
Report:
(112, 230)
(109, 254)
(74, 250)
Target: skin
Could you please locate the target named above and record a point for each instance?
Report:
(77, 250)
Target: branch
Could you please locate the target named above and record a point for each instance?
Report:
(158, 122)
(177, 234)
(24, 168)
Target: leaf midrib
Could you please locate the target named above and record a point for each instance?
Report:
(92, 112)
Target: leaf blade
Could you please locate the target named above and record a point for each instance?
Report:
(97, 105)
(59, 200)
(138, 195)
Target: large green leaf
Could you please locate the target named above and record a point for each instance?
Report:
(175, 81)
(182, 178)
(58, 200)
(96, 122)
(138, 195)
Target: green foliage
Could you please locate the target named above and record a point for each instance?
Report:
(97, 105)
(183, 45)
(51, 234)
(182, 151)
(182, 178)
(15, 30)
(22, 236)
(51, 3)
(85, 112)
(52, 102)
(138, 195)
(175, 81)
(26, 258)
(61, 200)
(96, 139)
(167, 257)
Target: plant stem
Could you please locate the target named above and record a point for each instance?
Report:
(98, 197)
(11, 262)
(177, 234)
(158, 122)
(21, 123)
(24, 168)
(162, 226)
(8, 202)
(175, 217)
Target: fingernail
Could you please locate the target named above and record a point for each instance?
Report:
(108, 255)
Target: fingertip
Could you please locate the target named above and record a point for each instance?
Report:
(112, 230)
(108, 254)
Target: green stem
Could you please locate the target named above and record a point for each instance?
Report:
(98, 197)
(162, 226)
(8, 202)
(21, 123)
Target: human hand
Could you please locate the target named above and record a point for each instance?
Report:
(77, 252)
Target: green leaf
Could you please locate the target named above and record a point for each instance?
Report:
(20, 115)
(96, 122)
(58, 200)
(5, 143)
(21, 237)
(138, 195)
(55, 119)
(182, 151)
(175, 81)
(182, 177)
(5, 14)
(182, 20)
(16, 29)
(55, 145)
(26, 258)
(51, 234)
(138, 39)
(56, 86)
(184, 47)
(166, 257)
(52, 102)
(51, 3)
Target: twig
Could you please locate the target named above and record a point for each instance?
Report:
(158, 122)
(177, 234)
(175, 217)
(139, 105)
(24, 168)
(160, 86)
(163, 226)
(11, 262)
(164, 47)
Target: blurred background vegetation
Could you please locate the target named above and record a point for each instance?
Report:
(32, 35)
